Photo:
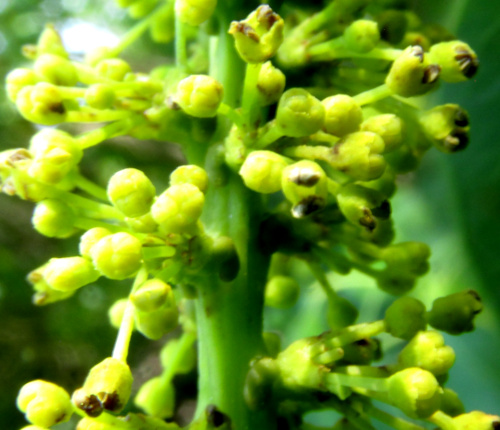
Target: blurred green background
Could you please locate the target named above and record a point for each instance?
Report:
(452, 203)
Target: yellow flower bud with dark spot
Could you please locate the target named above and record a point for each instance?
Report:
(457, 60)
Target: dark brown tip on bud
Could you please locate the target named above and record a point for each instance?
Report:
(461, 118)
(304, 177)
(417, 51)
(266, 16)
(368, 220)
(456, 140)
(383, 211)
(468, 64)
(215, 417)
(91, 405)
(431, 74)
(308, 206)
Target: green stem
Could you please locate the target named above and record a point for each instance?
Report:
(373, 95)
(180, 44)
(390, 420)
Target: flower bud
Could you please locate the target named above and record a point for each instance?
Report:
(100, 96)
(476, 420)
(53, 218)
(362, 352)
(359, 155)
(411, 75)
(389, 127)
(199, 96)
(41, 103)
(169, 351)
(156, 324)
(50, 42)
(70, 273)
(451, 404)
(56, 154)
(90, 238)
(340, 312)
(111, 382)
(156, 398)
(405, 318)
(281, 292)
(190, 174)
(142, 224)
(131, 192)
(454, 314)
(447, 126)
(457, 60)
(415, 391)
(407, 257)
(362, 35)
(162, 28)
(117, 256)
(305, 185)
(396, 283)
(141, 8)
(178, 208)
(116, 312)
(45, 404)
(270, 84)
(113, 68)
(17, 79)
(151, 295)
(44, 293)
(56, 70)
(342, 115)
(428, 351)
(362, 206)
(258, 37)
(299, 114)
(194, 12)
(262, 171)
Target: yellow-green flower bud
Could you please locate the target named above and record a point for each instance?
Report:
(199, 96)
(116, 312)
(156, 324)
(305, 185)
(53, 218)
(451, 404)
(131, 192)
(17, 79)
(178, 208)
(299, 113)
(258, 37)
(188, 362)
(281, 292)
(50, 42)
(45, 404)
(156, 398)
(113, 68)
(262, 171)
(272, 341)
(361, 205)
(405, 318)
(111, 382)
(141, 8)
(428, 351)
(117, 256)
(90, 238)
(70, 273)
(56, 70)
(41, 103)
(359, 155)
(194, 12)
(143, 224)
(411, 75)
(342, 115)
(476, 420)
(447, 126)
(457, 60)
(56, 154)
(190, 174)
(388, 126)
(270, 84)
(162, 28)
(454, 314)
(100, 96)
(415, 391)
(151, 295)
(44, 293)
(407, 257)
(362, 35)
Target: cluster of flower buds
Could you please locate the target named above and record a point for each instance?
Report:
(340, 362)
(326, 161)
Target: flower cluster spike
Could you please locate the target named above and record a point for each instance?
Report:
(296, 125)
